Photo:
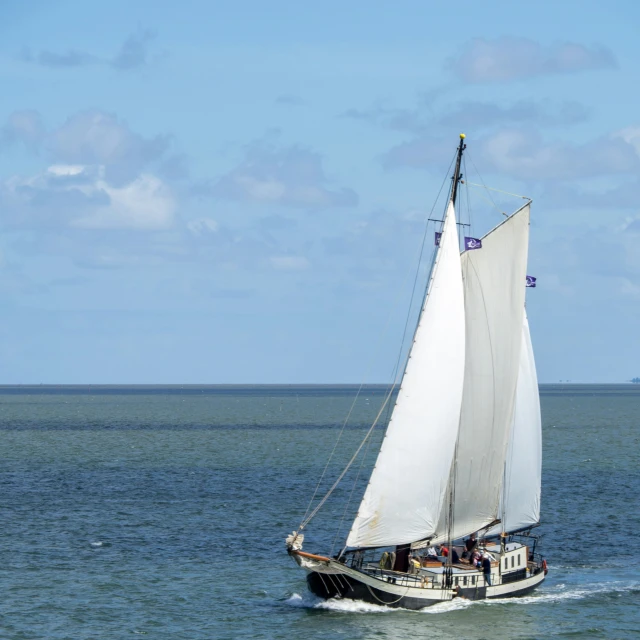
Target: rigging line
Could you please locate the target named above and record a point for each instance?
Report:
(355, 455)
(351, 408)
(481, 180)
(493, 204)
(508, 193)
(355, 482)
(305, 519)
(335, 446)
(466, 190)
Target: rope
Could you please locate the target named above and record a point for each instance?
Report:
(306, 521)
(353, 488)
(383, 601)
(324, 584)
(466, 192)
(484, 186)
(335, 446)
(338, 588)
(493, 204)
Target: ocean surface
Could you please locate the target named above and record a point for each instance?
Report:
(162, 512)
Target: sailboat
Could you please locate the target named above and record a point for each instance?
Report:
(454, 494)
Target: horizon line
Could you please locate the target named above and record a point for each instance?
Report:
(178, 385)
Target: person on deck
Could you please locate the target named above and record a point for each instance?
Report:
(471, 543)
(486, 569)
(455, 558)
(444, 551)
(414, 564)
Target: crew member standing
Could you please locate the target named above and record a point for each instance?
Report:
(486, 569)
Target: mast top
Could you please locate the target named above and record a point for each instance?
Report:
(456, 174)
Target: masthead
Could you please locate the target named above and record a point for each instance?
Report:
(457, 175)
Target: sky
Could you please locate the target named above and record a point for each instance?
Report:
(209, 192)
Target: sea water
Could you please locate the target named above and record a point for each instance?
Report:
(162, 512)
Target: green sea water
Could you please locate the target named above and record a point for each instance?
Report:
(162, 512)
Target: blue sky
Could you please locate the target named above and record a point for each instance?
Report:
(209, 192)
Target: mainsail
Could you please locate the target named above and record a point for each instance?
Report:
(494, 292)
(407, 487)
(520, 507)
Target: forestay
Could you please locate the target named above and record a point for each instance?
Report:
(407, 486)
(494, 278)
(520, 506)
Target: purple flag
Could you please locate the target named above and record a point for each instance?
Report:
(438, 236)
(472, 243)
(531, 281)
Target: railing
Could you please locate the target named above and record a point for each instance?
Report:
(367, 561)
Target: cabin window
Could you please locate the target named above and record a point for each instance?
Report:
(464, 580)
(518, 559)
(456, 581)
(473, 579)
(506, 563)
(513, 562)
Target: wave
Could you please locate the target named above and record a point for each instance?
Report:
(345, 605)
(341, 605)
(446, 607)
(554, 594)
(560, 592)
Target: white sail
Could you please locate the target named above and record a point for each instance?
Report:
(494, 287)
(520, 506)
(404, 496)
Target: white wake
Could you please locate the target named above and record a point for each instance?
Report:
(557, 593)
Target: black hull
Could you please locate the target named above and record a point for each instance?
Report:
(333, 586)
(327, 587)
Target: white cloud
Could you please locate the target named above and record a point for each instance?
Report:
(629, 289)
(134, 51)
(79, 196)
(145, 204)
(291, 176)
(101, 176)
(202, 226)
(24, 126)
(97, 138)
(631, 135)
(289, 263)
(507, 59)
(470, 114)
(132, 54)
(525, 154)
